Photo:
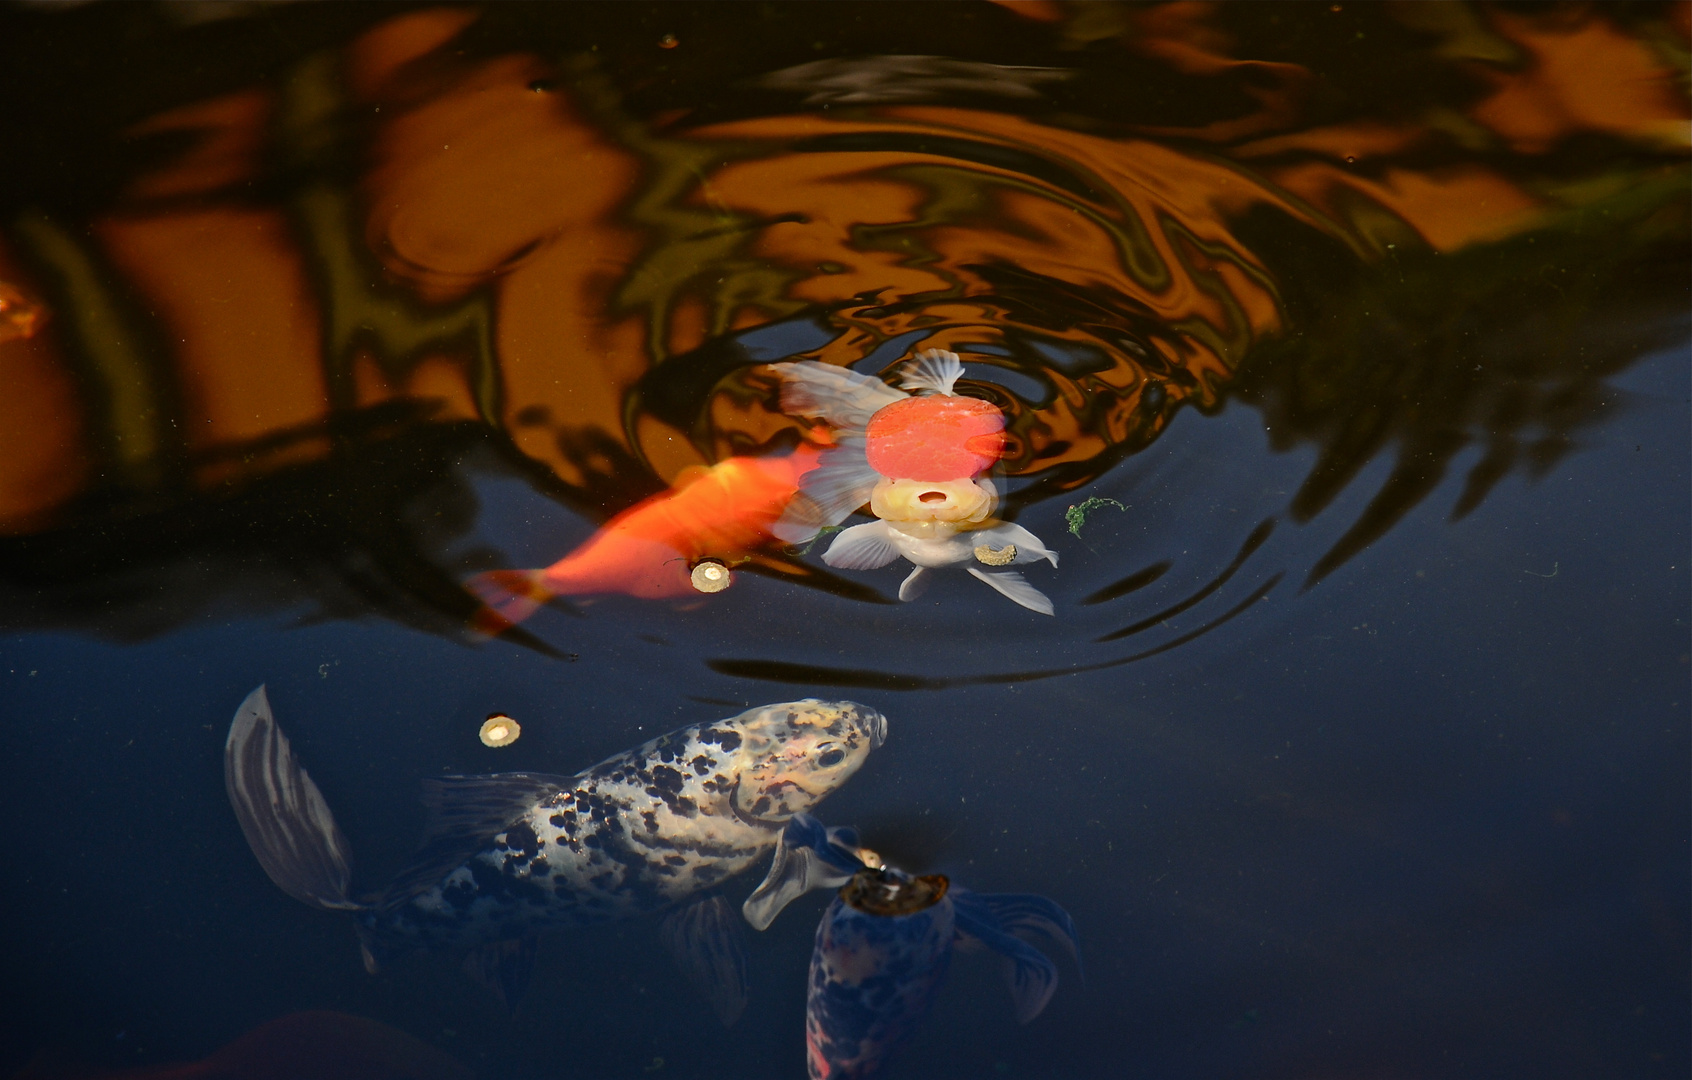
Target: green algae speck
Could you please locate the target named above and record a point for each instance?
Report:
(1077, 515)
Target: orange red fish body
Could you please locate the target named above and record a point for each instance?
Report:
(723, 512)
(920, 462)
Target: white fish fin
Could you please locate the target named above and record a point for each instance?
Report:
(862, 547)
(1029, 548)
(808, 856)
(1010, 583)
(838, 395)
(708, 944)
(916, 583)
(933, 370)
(283, 815)
(841, 482)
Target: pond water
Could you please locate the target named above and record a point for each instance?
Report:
(1343, 353)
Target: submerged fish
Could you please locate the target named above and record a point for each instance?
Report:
(885, 942)
(512, 854)
(724, 512)
(920, 462)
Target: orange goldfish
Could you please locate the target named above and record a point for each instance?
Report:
(723, 512)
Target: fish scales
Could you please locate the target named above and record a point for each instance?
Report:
(641, 830)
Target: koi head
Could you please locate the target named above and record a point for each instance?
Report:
(957, 501)
(793, 755)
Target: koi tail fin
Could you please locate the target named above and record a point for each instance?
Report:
(286, 822)
(510, 597)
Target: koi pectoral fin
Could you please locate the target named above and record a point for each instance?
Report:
(1011, 584)
(709, 945)
(916, 583)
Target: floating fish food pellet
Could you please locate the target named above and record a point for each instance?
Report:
(499, 730)
(709, 575)
(995, 557)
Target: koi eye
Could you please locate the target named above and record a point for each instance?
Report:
(831, 758)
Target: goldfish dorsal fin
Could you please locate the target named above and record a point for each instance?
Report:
(933, 370)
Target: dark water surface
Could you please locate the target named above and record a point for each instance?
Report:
(1357, 746)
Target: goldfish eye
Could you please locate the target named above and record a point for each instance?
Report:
(831, 758)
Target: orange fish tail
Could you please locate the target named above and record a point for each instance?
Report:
(510, 595)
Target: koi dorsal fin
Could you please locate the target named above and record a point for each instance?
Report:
(476, 807)
(933, 370)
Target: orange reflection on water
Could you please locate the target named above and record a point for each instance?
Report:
(499, 239)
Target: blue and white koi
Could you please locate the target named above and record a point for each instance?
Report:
(511, 854)
(885, 942)
(920, 462)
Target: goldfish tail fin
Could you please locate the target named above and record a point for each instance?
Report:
(933, 370)
(510, 595)
(282, 814)
(842, 397)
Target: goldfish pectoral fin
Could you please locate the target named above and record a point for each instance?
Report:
(282, 814)
(916, 583)
(838, 395)
(808, 856)
(934, 370)
(1025, 915)
(1011, 584)
(512, 595)
(862, 547)
(504, 967)
(1029, 548)
(1030, 973)
(841, 482)
(709, 945)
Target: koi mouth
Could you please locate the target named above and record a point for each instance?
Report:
(932, 497)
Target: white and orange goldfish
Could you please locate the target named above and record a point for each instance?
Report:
(920, 460)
